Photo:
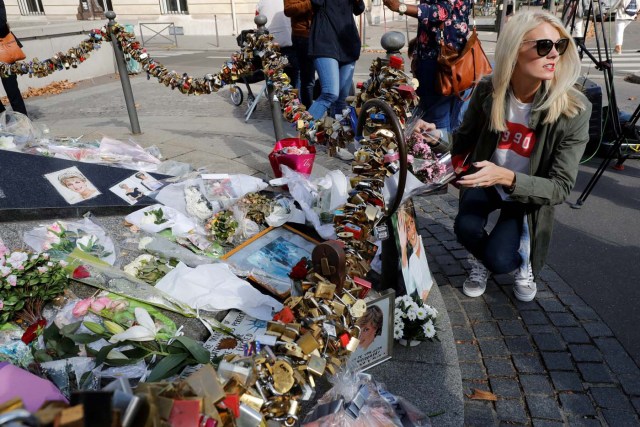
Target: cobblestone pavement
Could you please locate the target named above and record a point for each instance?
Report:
(550, 362)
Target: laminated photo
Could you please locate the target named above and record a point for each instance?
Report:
(71, 184)
(134, 188)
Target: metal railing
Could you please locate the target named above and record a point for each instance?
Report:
(168, 26)
(174, 7)
(31, 7)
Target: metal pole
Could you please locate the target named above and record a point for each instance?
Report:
(274, 102)
(124, 76)
(215, 18)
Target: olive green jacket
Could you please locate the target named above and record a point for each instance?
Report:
(553, 163)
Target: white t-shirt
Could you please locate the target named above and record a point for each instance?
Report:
(278, 24)
(516, 143)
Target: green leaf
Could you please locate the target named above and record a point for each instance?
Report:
(51, 333)
(136, 353)
(166, 366)
(84, 338)
(42, 356)
(121, 362)
(70, 328)
(199, 353)
(102, 354)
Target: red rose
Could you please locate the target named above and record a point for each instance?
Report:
(33, 331)
(81, 273)
(299, 271)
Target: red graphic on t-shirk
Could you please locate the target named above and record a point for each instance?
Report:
(518, 138)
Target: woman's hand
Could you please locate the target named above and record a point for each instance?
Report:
(488, 174)
(424, 127)
(393, 5)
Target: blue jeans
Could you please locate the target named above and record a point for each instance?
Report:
(336, 80)
(444, 111)
(498, 251)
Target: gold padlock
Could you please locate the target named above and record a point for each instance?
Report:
(308, 343)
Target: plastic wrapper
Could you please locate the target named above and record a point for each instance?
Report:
(15, 351)
(305, 193)
(128, 155)
(166, 249)
(356, 400)
(60, 238)
(174, 168)
(283, 211)
(75, 373)
(138, 370)
(16, 131)
(90, 271)
(156, 218)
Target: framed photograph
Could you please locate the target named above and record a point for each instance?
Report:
(71, 184)
(269, 256)
(376, 331)
(413, 259)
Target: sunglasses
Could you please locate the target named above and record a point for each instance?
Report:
(544, 46)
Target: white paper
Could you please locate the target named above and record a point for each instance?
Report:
(214, 287)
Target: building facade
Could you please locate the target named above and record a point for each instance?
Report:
(191, 17)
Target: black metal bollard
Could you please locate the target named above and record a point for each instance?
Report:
(392, 42)
(274, 102)
(124, 76)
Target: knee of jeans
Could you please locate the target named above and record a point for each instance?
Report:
(329, 97)
(501, 263)
(466, 231)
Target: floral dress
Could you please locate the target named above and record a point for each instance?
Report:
(432, 13)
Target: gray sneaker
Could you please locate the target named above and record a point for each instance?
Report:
(476, 283)
(524, 288)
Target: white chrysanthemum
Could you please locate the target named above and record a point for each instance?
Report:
(429, 330)
(398, 314)
(411, 314)
(398, 323)
(398, 333)
(431, 312)
(406, 299)
(421, 313)
(414, 306)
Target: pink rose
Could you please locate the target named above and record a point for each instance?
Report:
(20, 267)
(42, 270)
(100, 304)
(82, 307)
(1, 304)
(119, 305)
(12, 280)
(55, 228)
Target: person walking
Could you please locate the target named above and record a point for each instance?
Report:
(10, 83)
(301, 13)
(626, 12)
(524, 134)
(334, 45)
(279, 26)
(436, 18)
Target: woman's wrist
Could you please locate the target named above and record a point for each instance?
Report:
(510, 184)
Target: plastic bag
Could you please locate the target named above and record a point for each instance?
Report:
(165, 248)
(173, 168)
(156, 218)
(60, 238)
(222, 190)
(284, 210)
(128, 155)
(16, 131)
(306, 194)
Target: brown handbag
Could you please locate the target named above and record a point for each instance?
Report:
(458, 72)
(10, 51)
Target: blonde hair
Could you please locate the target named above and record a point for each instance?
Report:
(560, 95)
(68, 175)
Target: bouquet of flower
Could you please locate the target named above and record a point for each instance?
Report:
(222, 226)
(27, 282)
(424, 163)
(62, 237)
(149, 268)
(414, 320)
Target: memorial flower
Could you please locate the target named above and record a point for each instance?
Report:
(145, 330)
(413, 319)
(27, 283)
(423, 162)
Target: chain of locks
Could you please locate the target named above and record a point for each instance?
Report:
(315, 333)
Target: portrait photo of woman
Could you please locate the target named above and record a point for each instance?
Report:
(413, 259)
(72, 185)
